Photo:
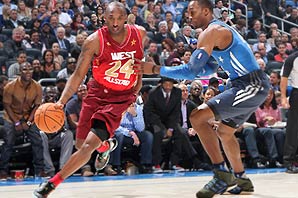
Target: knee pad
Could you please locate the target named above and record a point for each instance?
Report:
(100, 130)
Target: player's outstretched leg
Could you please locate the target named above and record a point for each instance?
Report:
(102, 159)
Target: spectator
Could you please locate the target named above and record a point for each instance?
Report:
(161, 114)
(197, 153)
(240, 26)
(71, 38)
(267, 115)
(186, 35)
(47, 35)
(57, 57)
(54, 22)
(158, 14)
(225, 17)
(281, 56)
(196, 89)
(169, 7)
(100, 14)
(72, 110)
(94, 23)
(12, 46)
(131, 132)
(22, 97)
(168, 47)
(91, 5)
(70, 67)
(3, 82)
(78, 21)
(275, 80)
(135, 11)
(63, 43)
(214, 83)
(35, 40)
(23, 12)
(150, 24)
(255, 31)
(66, 8)
(79, 7)
(261, 48)
(285, 40)
(186, 57)
(170, 17)
(237, 16)
(62, 139)
(12, 21)
(217, 9)
(258, 12)
(262, 64)
(34, 17)
(14, 69)
(178, 52)
(38, 73)
(49, 65)
(292, 18)
(262, 39)
(63, 17)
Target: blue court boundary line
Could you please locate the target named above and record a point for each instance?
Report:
(171, 174)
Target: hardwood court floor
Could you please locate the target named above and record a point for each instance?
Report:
(272, 183)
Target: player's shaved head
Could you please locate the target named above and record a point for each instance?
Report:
(115, 5)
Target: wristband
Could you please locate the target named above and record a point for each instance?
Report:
(29, 123)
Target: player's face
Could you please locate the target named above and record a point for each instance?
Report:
(115, 20)
(196, 14)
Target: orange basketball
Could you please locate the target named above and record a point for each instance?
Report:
(49, 118)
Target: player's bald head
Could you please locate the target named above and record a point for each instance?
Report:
(116, 6)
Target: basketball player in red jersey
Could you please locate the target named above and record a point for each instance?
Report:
(112, 89)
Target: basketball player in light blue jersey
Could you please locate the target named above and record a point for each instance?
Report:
(220, 44)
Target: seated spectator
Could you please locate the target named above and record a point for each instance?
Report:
(72, 110)
(150, 24)
(78, 22)
(3, 82)
(217, 9)
(57, 57)
(196, 89)
(214, 83)
(131, 132)
(163, 33)
(14, 69)
(63, 43)
(186, 57)
(38, 73)
(275, 80)
(66, 72)
(247, 132)
(225, 17)
(47, 35)
(12, 21)
(185, 37)
(168, 47)
(261, 39)
(12, 46)
(170, 17)
(63, 17)
(94, 23)
(20, 103)
(62, 139)
(200, 159)
(255, 30)
(49, 65)
(35, 41)
(282, 55)
(267, 115)
(162, 116)
(178, 52)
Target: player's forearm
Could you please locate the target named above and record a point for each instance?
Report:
(283, 86)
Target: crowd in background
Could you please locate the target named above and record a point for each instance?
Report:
(42, 39)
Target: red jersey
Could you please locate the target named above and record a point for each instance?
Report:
(113, 65)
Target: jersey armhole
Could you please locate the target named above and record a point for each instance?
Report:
(101, 43)
(139, 38)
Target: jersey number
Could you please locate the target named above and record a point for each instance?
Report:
(124, 69)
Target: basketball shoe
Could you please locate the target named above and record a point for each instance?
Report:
(102, 159)
(221, 182)
(244, 186)
(44, 190)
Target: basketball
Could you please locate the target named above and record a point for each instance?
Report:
(49, 118)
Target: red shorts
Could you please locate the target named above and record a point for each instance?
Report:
(103, 104)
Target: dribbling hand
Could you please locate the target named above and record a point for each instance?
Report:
(59, 105)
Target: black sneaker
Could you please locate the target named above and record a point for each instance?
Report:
(244, 186)
(222, 181)
(102, 159)
(44, 190)
(292, 169)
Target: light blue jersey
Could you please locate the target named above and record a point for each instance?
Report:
(237, 59)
